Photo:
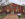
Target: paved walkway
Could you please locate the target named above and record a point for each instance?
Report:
(9, 16)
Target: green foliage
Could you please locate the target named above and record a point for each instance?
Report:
(2, 16)
(22, 16)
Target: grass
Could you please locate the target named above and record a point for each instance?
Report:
(22, 16)
(2, 16)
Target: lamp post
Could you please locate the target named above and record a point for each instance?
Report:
(19, 14)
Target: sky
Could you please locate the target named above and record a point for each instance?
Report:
(4, 2)
(20, 2)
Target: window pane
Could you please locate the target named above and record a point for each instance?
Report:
(24, 7)
(24, 10)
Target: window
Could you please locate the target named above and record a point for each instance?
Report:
(17, 10)
(23, 10)
(0, 7)
(24, 7)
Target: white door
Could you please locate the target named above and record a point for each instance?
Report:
(8, 10)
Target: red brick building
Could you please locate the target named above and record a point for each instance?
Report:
(12, 6)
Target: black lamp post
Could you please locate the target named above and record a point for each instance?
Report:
(19, 14)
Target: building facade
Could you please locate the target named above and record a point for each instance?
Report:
(12, 9)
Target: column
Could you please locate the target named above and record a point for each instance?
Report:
(13, 11)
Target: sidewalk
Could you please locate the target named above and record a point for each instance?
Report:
(11, 17)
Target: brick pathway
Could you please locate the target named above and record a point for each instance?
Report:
(11, 17)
